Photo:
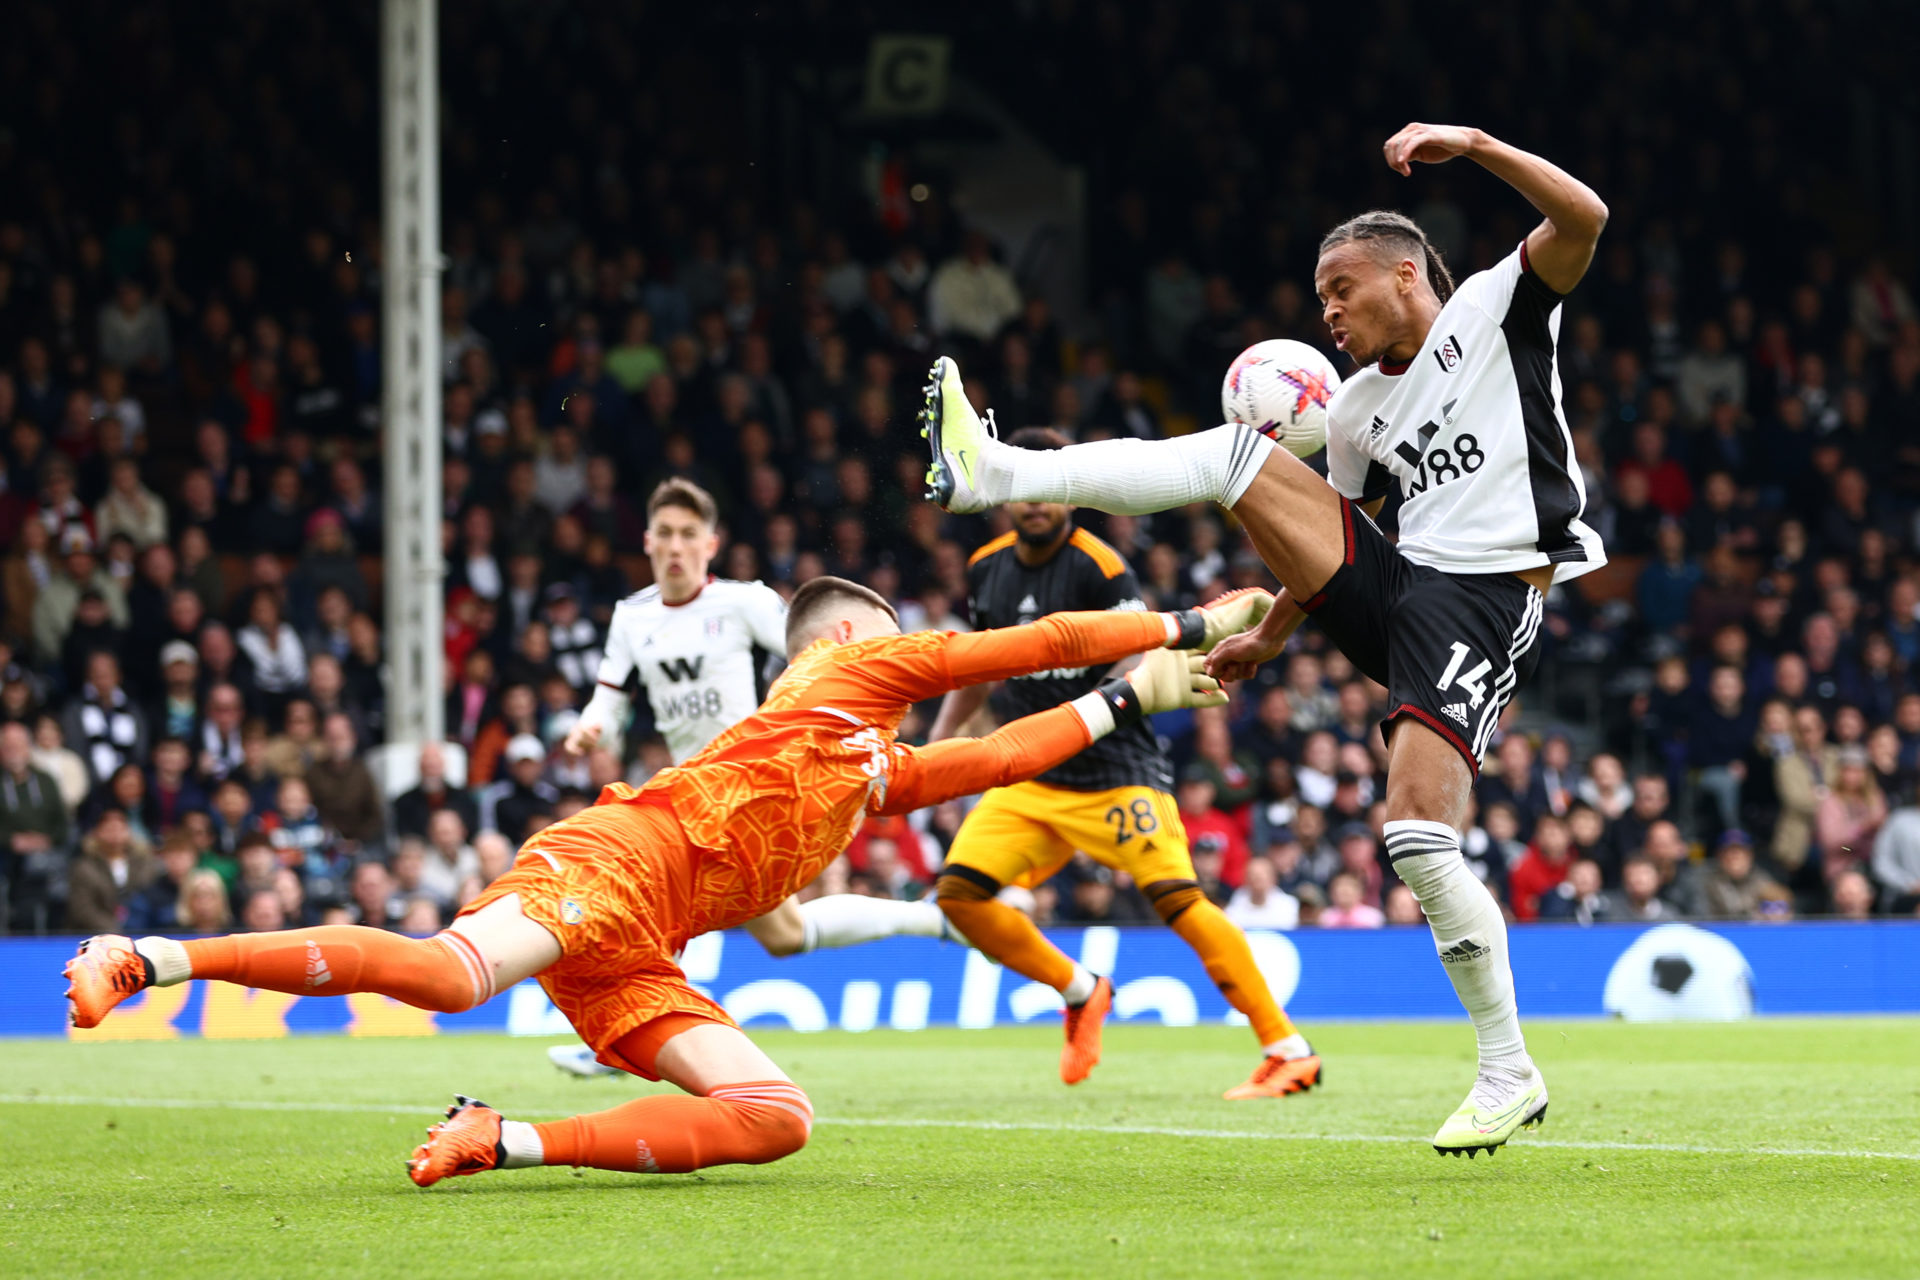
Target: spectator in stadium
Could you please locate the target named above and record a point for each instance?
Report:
(222, 747)
(113, 867)
(1849, 814)
(1260, 903)
(1670, 855)
(1546, 863)
(1627, 833)
(1403, 908)
(259, 859)
(33, 817)
(1346, 908)
(156, 908)
(103, 724)
(255, 772)
(1734, 887)
(371, 889)
(1639, 897)
(1208, 827)
(1235, 774)
(510, 804)
(1800, 779)
(344, 792)
(971, 295)
(1579, 898)
(413, 809)
(273, 648)
(52, 757)
(1852, 896)
(449, 859)
(130, 507)
(203, 905)
(1896, 857)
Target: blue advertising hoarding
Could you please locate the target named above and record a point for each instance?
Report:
(1668, 971)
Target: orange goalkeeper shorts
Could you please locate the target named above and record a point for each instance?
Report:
(612, 884)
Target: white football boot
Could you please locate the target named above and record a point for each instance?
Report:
(1498, 1106)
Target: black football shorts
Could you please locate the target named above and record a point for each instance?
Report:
(1450, 647)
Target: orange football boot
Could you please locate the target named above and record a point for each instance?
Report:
(1082, 1050)
(467, 1141)
(1278, 1077)
(105, 971)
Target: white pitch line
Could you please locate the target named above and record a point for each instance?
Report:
(987, 1126)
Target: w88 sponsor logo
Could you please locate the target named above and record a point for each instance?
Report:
(694, 704)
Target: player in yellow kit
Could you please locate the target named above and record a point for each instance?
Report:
(1112, 801)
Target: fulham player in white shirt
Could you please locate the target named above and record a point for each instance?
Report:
(1457, 405)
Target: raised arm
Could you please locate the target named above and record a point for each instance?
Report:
(1034, 744)
(1560, 248)
(1058, 640)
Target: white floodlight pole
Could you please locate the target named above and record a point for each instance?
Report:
(410, 367)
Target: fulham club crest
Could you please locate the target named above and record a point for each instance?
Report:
(1449, 353)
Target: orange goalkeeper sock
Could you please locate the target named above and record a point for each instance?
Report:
(1003, 934)
(445, 973)
(1229, 961)
(749, 1123)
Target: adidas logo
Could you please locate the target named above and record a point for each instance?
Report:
(1462, 951)
(317, 973)
(1029, 605)
(1378, 425)
(1457, 712)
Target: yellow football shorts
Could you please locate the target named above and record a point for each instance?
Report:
(1024, 833)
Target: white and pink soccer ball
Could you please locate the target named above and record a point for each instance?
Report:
(1280, 388)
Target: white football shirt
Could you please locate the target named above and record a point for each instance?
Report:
(1472, 431)
(695, 659)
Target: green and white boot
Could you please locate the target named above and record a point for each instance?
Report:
(959, 440)
(1498, 1106)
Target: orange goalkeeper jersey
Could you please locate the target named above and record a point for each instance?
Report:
(770, 802)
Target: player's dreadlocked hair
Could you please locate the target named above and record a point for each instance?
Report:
(1400, 236)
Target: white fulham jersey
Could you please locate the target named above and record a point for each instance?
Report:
(695, 659)
(1472, 431)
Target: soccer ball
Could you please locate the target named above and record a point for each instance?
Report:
(1280, 388)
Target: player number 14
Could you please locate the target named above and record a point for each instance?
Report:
(1471, 681)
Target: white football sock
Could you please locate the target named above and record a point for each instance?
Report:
(1469, 932)
(1080, 989)
(1294, 1046)
(521, 1143)
(168, 958)
(1130, 477)
(846, 919)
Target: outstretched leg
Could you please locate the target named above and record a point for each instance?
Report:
(454, 970)
(742, 1110)
(843, 920)
(1300, 537)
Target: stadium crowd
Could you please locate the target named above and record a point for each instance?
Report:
(190, 635)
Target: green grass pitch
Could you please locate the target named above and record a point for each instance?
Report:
(1766, 1149)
